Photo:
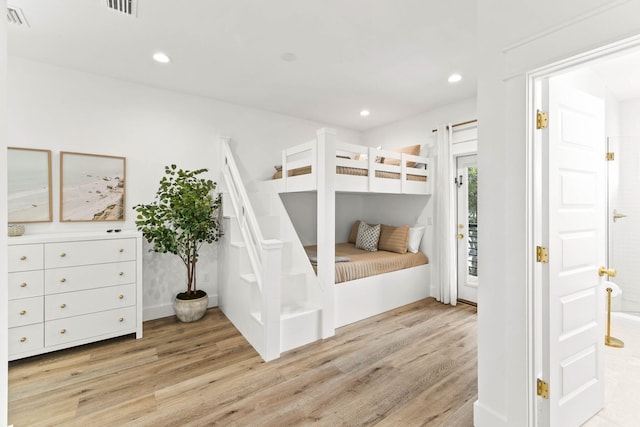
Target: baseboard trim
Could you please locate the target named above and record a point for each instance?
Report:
(166, 310)
(486, 417)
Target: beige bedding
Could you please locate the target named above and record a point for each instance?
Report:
(365, 264)
(351, 171)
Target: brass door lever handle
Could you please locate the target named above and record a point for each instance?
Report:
(611, 272)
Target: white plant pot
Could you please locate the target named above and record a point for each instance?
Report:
(191, 310)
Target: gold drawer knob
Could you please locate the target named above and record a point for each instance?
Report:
(63, 280)
(23, 285)
(62, 255)
(23, 257)
(121, 250)
(23, 339)
(63, 305)
(63, 331)
(121, 319)
(23, 312)
(121, 273)
(121, 296)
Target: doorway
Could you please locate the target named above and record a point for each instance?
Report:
(599, 77)
(467, 219)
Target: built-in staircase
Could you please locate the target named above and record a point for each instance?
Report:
(266, 286)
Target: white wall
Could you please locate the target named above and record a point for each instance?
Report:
(626, 232)
(418, 129)
(515, 38)
(65, 110)
(4, 296)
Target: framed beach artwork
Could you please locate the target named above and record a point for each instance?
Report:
(29, 185)
(92, 187)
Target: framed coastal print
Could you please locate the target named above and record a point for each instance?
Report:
(92, 187)
(29, 185)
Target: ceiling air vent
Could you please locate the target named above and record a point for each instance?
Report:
(128, 7)
(15, 16)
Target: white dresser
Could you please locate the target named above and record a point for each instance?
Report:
(73, 288)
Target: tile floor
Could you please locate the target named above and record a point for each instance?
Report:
(622, 376)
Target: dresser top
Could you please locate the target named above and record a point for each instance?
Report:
(72, 237)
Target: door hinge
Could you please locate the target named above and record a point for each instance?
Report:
(543, 389)
(542, 254)
(542, 119)
(611, 156)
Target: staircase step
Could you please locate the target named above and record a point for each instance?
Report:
(294, 310)
(249, 278)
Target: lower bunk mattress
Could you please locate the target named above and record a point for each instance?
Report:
(352, 263)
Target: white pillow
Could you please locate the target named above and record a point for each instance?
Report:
(415, 236)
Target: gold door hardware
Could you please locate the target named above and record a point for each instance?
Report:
(611, 156)
(63, 331)
(542, 389)
(63, 280)
(22, 258)
(121, 273)
(611, 272)
(23, 312)
(542, 119)
(121, 250)
(460, 236)
(608, 339)
(121, 319)
(617, 215)
(62, 255)
(23, 285)
(542, 254)
(460, 226)
(63, 305)
(23, 339)
(121, 296)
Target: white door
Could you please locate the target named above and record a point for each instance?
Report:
(467, 207)
(574, 231)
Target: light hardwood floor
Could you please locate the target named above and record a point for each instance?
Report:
(412, 366)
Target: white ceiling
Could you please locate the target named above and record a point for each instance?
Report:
(388, 56)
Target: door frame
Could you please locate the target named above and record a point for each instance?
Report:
(533, 217)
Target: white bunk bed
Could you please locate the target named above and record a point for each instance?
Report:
(322, 166)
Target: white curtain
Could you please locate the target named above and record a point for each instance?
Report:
(445, 271)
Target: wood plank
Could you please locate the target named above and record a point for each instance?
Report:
(415, 365)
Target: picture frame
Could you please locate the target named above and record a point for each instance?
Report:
(92, 187)
(29, 194)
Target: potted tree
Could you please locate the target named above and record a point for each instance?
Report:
(183, 217)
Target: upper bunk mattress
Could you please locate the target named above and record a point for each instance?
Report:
(364, 263)
(343, 170)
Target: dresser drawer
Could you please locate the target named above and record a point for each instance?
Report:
(25, 284)
(26, 338)
(25, 311)
(25, 257)
(68, 254)
(69, 304)
(58, 280)
(92, 325)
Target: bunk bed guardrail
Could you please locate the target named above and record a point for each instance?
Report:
(386, 171)
(264, 255)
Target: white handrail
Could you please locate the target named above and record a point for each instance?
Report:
(246, 216)
(264, 257)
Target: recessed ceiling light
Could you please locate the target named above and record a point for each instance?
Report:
(454, 78)
(161, 57)
(364, 113)
(288, 57)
